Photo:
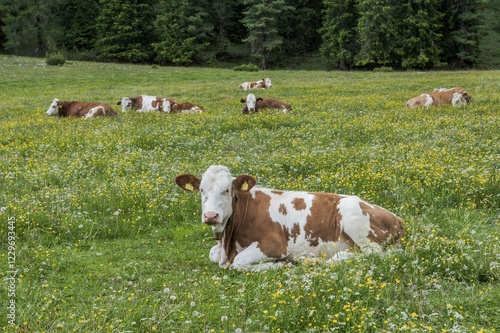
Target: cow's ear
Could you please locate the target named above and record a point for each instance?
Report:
(188, 182)
(243, 100)
(259, 99)
(119, 103)
(243, 183)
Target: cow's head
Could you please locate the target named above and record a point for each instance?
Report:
(458, 99)
(53, 108)
(126, 104)
(251, 102)
(268, 82)
(218, 188)
(461, 97)
(165, 105)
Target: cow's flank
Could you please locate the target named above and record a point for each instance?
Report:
(259, 228)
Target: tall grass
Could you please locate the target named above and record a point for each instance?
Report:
(105, 242)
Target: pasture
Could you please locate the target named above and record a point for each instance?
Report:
(96, 237)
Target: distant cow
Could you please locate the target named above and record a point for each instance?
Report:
(142, 103)
(261, 84)
(257, 227)
(254, 105)
(441, 96)
(79, 109)
(170, 105)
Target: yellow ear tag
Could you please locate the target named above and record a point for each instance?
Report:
(244, 186)
(189, 187)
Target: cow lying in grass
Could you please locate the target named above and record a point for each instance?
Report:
(254, 105)
(261, 84)
(259, 228)
(79, 109)
(169, 105)
(442, 96)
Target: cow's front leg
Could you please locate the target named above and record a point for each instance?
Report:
(254, 259)
(216, 253)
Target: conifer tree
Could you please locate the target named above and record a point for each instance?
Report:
(79, 23)
(462, 26)
(183, 32)
(420, 27)
(261, 20)
(124, 33)
(339, 33)
(28, 25)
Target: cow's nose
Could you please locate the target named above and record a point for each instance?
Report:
(210, 217)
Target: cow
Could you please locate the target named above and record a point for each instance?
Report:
(169, 105)
(79, 109)
(142, 103)
(253, 104)
(261, 84)
(259, 228)
(441, 96)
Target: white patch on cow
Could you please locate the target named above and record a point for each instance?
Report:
(251, 102)
(93, 112)
(428, 101)
(252, 258)
(355, 224)
(286, 200)
(147, 104)
(53, 109)
(216, 196)
(216, 252)
(126, 104)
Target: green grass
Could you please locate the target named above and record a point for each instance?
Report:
(105, 241)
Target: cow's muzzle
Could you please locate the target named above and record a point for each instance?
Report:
(210, 218)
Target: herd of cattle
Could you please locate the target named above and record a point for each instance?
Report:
(260, 228)
(145, 103)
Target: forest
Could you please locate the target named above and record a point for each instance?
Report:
(336, 34)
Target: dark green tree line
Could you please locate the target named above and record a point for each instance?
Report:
(400, 34)
(420, 34)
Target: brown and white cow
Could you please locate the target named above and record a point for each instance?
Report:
(169, 105)
(260, 228)
(261, 84)
(254, 104)
(441, 96)
(79, 109)
(142, 103)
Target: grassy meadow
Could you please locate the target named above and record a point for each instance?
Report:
(96, 237)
